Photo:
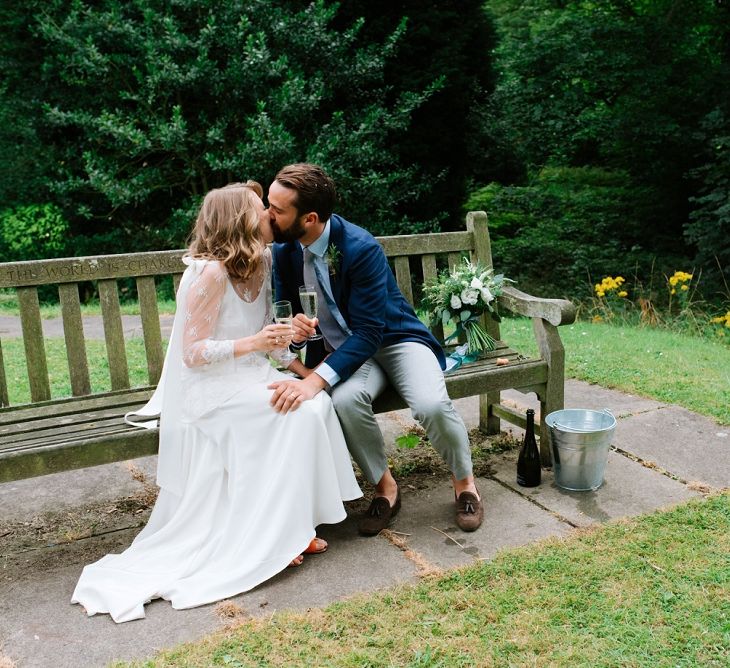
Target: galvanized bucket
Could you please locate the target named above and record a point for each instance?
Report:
(580, 442)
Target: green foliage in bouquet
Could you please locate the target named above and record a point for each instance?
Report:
(462, 296)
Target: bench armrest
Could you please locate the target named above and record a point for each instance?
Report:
(555, 311)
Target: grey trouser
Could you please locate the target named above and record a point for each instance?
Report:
(413, 370)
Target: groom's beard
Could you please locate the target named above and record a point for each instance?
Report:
(296, 231)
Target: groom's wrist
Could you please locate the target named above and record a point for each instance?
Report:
(316, 381)
(325, 371)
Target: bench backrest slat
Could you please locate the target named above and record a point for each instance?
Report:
(430, 272)
(4, 398)
(476, 223)
(73, 331)
(403, 276)
(35, 351)
(150, 316)
(114, 334)
(75, 270)
(418, 244)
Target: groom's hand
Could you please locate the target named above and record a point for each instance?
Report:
(303, 327)
(289, 394)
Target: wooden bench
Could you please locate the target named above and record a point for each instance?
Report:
(49, 435)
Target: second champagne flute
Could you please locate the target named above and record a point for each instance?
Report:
(283, 316)
(308, 298)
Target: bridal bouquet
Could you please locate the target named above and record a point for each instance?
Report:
(461, 297)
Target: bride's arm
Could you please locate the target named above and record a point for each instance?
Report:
(202, 309)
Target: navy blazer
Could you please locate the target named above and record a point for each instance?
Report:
(365, 291)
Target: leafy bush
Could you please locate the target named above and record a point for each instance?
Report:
(33, 232)
(709, 224)
(565, 227)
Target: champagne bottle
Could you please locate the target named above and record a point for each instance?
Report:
(528, 463)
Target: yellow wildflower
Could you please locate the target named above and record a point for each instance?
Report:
(722, 320)
(597, 318)
(623, 293)
(684, 287)
(679, 277)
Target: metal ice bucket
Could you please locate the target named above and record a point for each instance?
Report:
(580, 442)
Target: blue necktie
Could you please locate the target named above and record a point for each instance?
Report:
(331, 323)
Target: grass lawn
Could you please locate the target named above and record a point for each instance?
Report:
(689, 371)
(652, 591)
(17, 374)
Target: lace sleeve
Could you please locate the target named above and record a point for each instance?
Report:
(201, 315)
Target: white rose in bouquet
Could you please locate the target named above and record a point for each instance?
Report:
(469, 296)
(455, 302)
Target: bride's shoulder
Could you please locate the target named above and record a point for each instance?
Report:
(206, 269)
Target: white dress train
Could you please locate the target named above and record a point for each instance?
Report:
(242, 487)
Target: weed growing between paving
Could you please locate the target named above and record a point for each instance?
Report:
(651, 591)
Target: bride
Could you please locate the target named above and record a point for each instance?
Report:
(242, 487)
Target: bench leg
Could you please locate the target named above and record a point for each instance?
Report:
(488, 422)
(553, 399)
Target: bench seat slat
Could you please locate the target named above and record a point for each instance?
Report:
(93, 451)
(56, 436)
(73, 332)
(70, 406)
(81, 417)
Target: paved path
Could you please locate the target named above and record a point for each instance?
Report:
(664, 455)
(93, 326)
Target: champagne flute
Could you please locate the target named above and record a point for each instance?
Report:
(308, 299)
(283, 316)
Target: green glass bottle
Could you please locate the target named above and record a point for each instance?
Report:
(528, 462)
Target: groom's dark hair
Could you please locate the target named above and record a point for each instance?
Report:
(315, 190)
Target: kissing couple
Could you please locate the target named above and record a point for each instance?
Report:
(252, 460)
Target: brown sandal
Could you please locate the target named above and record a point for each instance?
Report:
(316, 546)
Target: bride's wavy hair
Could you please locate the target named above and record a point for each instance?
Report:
(227, 229)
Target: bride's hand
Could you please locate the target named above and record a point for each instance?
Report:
(272, 337)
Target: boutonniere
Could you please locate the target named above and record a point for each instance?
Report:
(332, 257)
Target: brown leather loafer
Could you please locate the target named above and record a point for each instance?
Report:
(469, 512)
(378, 515)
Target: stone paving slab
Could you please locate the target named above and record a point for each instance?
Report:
(23, 499)
(628, 489)
(579, 394)
(352, 564)
(509, 521)
(40, 628)
(690, 446)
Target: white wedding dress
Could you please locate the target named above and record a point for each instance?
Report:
(242, 487)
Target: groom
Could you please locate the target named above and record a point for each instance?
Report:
(371, 338)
